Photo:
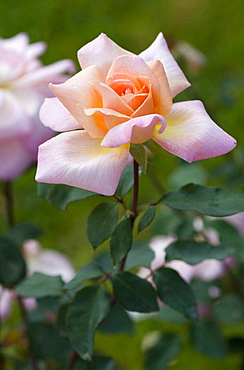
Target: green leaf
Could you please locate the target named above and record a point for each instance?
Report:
(147, 218)
(207, 339)
(229, 309)
(45, 341)
(101, 223)
(193, 252)
(134, 293)
(228, 234)
(88, 309)
(126, 181)
(121, 240)
(23, 231)
(12, 264)
(117, 321)
(139, 255)
(60, 195)
(156, 149)
(91, 270)
(98, 363)
(39, 285)
(139, 153)
(163, 352)
(208, 200)
(175, 292)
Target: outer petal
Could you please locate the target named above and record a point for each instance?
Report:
(159, 50)
(192, 135)
(14, 158)
(45, 74)
(54, 115)
(136, 130)
(75, 159)
(76, 94)
(100, 52)
(13, 120)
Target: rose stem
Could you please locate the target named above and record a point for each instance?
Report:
(133, 206)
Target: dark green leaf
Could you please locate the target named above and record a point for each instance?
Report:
(185, 229)
(121, 240)
(175, 292)
(12, 264)
(193, 252)
(101, 223)
(88, 309)
(23, 231)
(45, 342)
(104, 260)
(236, 344)
(117, 321)
(39, 285)
(60, 195)
(126, 181)
(228, 234)
(163, 352)
(91, 270)
(134, 293)
(139, 255)
(207, 339)
(208, 200)
(98, 363)
(139, 153)
(229, 309)
(147, 218)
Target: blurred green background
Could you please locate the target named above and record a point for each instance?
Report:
(215, 27)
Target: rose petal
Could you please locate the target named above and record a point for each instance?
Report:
(100, 52)
(76, 159)
(45, 75)
(14, 158)
(54, 115)
(110, 116)
(110, 99)
(159, 50)
(163, 99)
(192, 135)
(76, 94)
(134, 67)
(13, 120)
(136, 130)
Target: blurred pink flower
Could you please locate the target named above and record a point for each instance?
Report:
(38, 259)
(119, 99)
(23, 87)
(207, 270)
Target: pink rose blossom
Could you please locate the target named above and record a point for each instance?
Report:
(23, 87)
(119, 99)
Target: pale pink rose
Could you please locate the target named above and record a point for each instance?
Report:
(5, 303)
(158, 244)
(119, 99)
(23, 87)
(47, 261)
